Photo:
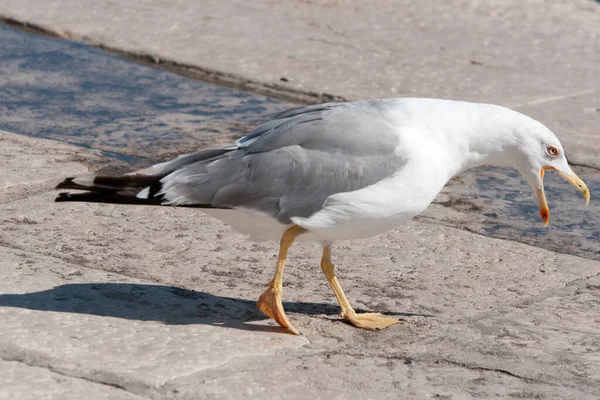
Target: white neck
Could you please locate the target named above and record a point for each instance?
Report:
(482, 135)
(461, 136)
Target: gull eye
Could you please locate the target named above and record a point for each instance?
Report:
(552, 151)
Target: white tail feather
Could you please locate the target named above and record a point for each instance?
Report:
(84, 180)
(143, 194)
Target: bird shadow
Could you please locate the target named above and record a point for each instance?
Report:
(167, 304)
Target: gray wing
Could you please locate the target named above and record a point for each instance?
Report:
(290, 165)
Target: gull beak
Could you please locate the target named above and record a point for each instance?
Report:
(572, 178)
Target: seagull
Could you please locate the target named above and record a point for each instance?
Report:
(339, 171)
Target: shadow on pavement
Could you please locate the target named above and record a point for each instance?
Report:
(167, 304)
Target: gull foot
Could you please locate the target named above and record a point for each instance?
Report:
(370, 321)
(270, 305)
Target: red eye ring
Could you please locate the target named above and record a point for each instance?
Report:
(552, 151)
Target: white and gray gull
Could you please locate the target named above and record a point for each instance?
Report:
(340, 171)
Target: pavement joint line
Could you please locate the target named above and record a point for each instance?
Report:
(59, 371)
(576, 164)
(551, 99)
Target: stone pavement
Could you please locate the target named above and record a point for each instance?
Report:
(138, 302)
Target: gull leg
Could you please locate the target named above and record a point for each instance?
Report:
(370, 321)
(270, 301)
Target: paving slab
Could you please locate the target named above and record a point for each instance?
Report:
(160, 303)
(524, 55)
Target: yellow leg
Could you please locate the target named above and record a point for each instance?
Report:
(270, 301)
(371, 321)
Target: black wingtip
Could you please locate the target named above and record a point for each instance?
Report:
(109, 198)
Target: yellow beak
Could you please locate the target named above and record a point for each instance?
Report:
(572, 178)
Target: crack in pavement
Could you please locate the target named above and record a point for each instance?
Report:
(568, 288)
(432, 361)
(491, 369)
(576, 384)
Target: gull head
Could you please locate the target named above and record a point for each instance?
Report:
(536, 151)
